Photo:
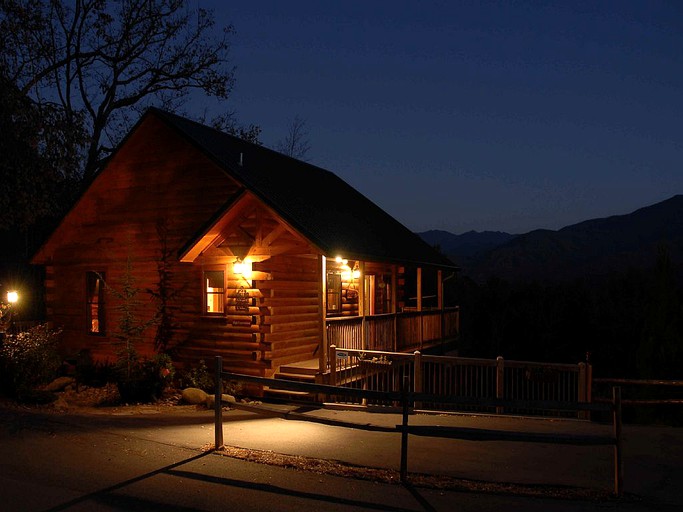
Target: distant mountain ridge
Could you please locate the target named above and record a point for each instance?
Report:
(465, 248)
(590, 248)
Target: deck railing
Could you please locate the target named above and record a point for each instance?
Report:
(406, 331)
(468, 378)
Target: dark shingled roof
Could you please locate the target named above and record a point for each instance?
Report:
(321, 206)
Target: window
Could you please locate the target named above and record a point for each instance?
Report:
(214, 290)
(334, 286)
(95, 307)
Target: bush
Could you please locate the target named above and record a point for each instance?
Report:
(29, 359)
(198, 377)
(144, 380)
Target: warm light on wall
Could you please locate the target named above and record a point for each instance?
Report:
(239, 266)
(12, 297)
(242, 268)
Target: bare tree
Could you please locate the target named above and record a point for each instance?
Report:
(105, 62)
(296, 143)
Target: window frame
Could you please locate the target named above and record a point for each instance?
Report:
(206, 293)
(95, 300)
(334, 293)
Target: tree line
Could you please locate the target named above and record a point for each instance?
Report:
(627, 324)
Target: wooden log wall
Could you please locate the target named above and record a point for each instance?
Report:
(155, 195)
(291, 323)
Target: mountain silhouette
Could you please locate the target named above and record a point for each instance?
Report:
(592, 248)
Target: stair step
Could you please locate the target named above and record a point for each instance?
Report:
(298, 370)
(297, 377)
(286, 395)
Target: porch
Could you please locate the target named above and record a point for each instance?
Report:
(381, 352)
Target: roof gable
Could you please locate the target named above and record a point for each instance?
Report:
(318, 204)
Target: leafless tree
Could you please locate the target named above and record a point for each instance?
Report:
(296, 143)
(104, 62)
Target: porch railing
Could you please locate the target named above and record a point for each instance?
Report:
(468, 378)
(399, 332)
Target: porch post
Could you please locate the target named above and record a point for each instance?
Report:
(394, 306)
(500, 381)
(323, 352)
(417, 376)
(442, 314)
(419, 304)
(582, 388)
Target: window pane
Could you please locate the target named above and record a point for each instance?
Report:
(333, 293)
(214, 288)
(214, 280)
(95, 312)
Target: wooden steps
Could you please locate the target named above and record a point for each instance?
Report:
(305, 371)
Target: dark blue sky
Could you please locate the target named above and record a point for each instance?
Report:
(503, 116)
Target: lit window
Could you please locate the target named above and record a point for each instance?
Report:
(334, 288)
(95, 310)
(214, 290)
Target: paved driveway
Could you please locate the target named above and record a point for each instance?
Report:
(144, 460)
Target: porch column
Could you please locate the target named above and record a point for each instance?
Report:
(323, 354)
(361, 304)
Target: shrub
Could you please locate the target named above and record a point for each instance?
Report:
(29, 359)
(144, 380)
(198, 377)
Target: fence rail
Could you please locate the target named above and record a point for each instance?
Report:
(445, 376)
(641, 384)
(407, 399)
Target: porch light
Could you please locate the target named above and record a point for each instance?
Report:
(12, 297)
(242, 268)
(239, 267)
(356, 271)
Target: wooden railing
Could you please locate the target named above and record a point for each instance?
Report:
(467, 378)
(407, 331)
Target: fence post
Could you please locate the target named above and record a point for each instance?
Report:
(500, 381)
(417, 376)
(218, 405)
(333, 370)
(618, 459)
(404, 431)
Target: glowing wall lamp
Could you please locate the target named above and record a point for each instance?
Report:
(242, 268)
(12, 297)
(239, 266)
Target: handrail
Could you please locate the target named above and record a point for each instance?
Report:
(641, 382)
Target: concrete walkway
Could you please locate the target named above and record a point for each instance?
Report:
(653, 456)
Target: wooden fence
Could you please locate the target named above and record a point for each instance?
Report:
(472, 378)
(407, 399)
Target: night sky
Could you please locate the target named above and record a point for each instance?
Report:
(501, 116)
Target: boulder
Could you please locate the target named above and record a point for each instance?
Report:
(194, 396)
(60, 384)
(226, 399)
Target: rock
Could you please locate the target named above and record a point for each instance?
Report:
(194, 396)
(60, 384)
(61, 404)
(211, 400)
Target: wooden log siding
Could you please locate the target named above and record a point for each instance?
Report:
(289, 304)
(102, 231)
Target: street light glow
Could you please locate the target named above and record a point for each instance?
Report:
(12, 297)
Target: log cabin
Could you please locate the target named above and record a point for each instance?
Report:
(223, 247)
